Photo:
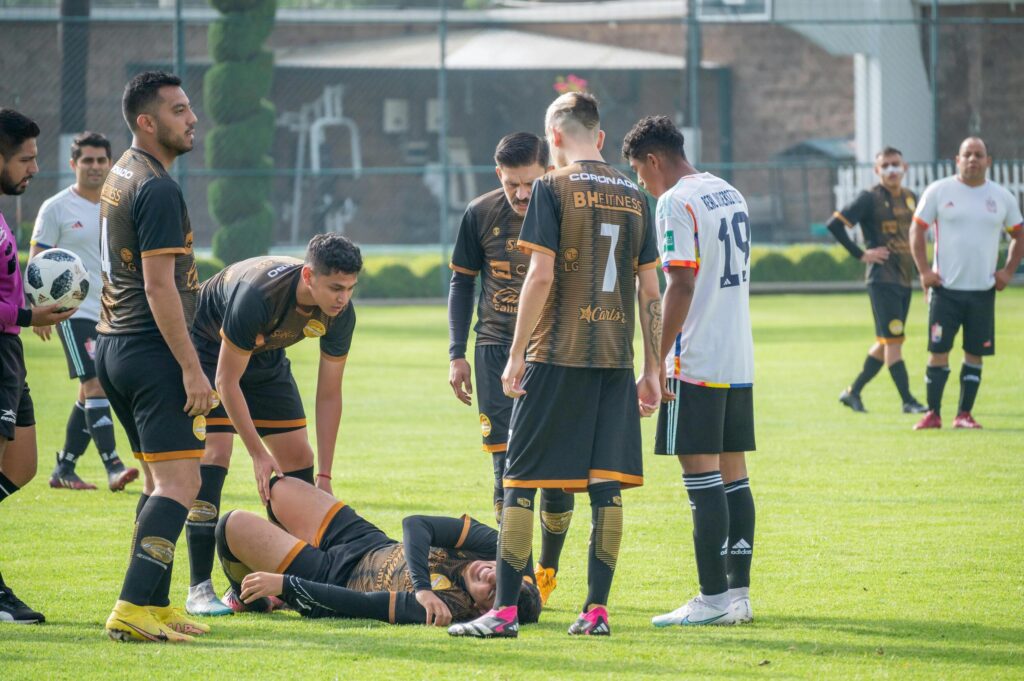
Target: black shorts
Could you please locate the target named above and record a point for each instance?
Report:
(975, 310)
(144, 385)
(495, 407)
(271, 394)
(705, 420)
(16, 409)
(890, 304)
(574, 424)
(78, 336)
(343, 539)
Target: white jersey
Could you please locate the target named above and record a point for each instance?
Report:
(703, 223)
(969, 222)
(67, 220)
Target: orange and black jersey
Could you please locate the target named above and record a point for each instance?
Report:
(884, 220)
(142, 214)
(597, 224)
(251, 305)
(486, 245)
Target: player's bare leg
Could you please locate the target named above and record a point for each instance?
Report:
(17, 468)
(970, 382)
(293, 453)
(935, 377)
(201, 525)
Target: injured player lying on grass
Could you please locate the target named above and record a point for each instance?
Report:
(326, 561)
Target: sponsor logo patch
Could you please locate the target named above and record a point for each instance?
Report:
(199, 427)
(670, 240)
(510, 244)
(990, 205)
(215, 400)
(911, 203)
(159, 548)
(506, 300)
(525, 503)
(314, 329)
(90, 348)
(202, 512)
(591, 314)
(936, 333)
(896, 327)
(496, 231)
(485, 425)
(987, 344)
(439, 582)
(8, 416)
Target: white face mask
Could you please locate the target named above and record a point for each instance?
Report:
(892, 169)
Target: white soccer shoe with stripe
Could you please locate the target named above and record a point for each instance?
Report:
(203, 601)
(696, 613)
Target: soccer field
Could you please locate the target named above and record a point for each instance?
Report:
(880, 553)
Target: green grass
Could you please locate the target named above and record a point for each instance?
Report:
(881, 553)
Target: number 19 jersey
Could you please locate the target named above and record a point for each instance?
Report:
(597, 225)
(703, 223)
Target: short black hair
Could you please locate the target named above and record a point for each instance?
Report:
(141, 91)
(653, 134)
(529, 604)
(15, 128)
(330, 253)
(521, 149)
(88, 139)
(580, 108)
(888, 151)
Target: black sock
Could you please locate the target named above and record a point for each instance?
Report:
(304, 474)
(741, 532)
(201, 521)
(970, 381)
(871, 368)
(141, 504)
(898, 371)
(710, 529)
(234, 569)
(935, 381)
(76, 437)
(514, 544)
(498, 460)
(101, 428)
(605, 538)
(555, 514)
(159, 525)
(7, 488)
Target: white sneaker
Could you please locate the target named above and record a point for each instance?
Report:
(697, 612)
(741, 611)
(203, 601)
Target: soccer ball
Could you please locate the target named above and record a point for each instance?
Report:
(56, 277)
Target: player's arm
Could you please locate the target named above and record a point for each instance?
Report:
(1016, 250)
(923, 218)
(158, 213)
(231, 364)
(335, 601)
(328, 415)
(649, 299)
(467, 260)
(679, 285)
(847, 218)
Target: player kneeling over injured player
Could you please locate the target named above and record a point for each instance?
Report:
(330, 562)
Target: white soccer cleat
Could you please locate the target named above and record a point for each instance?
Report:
(741, 610)
(202, 601)
(697, 612)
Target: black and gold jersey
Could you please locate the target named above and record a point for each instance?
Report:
(598, 226)
(251, 305)
(486, 245)
(884, 220)
(386, 569)
(142, 214)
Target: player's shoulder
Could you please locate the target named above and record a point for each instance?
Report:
(1001, 191)
(59, 199)
(487, 204)
(689, 189)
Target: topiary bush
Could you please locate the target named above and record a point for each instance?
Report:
(207, 267)
(234, 96)
(772, 267)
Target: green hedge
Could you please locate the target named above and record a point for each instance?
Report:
(234, 90)
(243, 145)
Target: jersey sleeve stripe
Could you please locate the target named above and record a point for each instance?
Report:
(232, 345)
(464, 534)
(462, 270)
(921, 222)
(842, 218)
(695, 264)
(328, 517)
(39, 243)
(299, 545)
(526, 247)
(494, 449)
(334, 358)
(164, 251)
(650, 265)
(1015, 229)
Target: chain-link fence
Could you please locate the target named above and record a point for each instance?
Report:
(387, 113)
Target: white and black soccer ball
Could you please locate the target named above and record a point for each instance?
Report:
(56, 277)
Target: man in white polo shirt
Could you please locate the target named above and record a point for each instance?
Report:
(969, 213)
(70, 219)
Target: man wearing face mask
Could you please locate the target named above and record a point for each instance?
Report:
(884, 213)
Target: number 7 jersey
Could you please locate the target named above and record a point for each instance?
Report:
(597, 225)
(703, 223)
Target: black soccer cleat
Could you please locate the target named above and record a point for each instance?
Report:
(14, 610)
(852, 400)
(914, 407)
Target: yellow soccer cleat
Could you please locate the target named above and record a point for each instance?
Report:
(546, 582)
(174, 618)
(129, 622)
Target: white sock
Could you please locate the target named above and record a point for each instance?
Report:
(720, 601)
(739, 592)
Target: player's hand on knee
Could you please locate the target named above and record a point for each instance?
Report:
(263, 466)
(261, 584)
(438, 614)
(199, 394)
(459, 380)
